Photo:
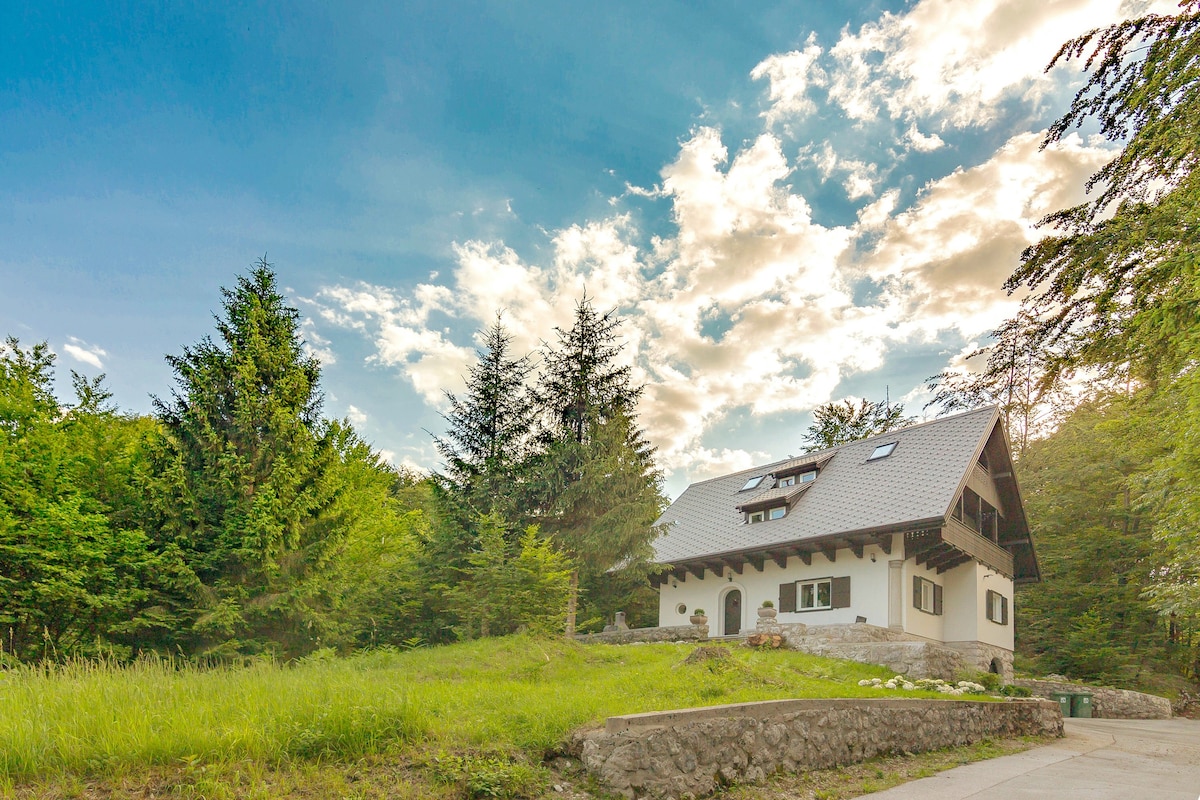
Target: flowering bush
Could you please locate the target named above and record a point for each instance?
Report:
(926, 684)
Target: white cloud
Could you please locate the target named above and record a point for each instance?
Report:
(315, 344)
(922, 143)
(748, 304)
(944, 259)
(745, 303)
(958, 61)
(356, 415)
(791, 75)
(85, 353)
(859, 178)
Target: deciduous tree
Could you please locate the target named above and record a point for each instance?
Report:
(844, 421)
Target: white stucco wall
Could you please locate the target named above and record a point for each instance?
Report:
(921, 623)
(963, 618)
(966, 620)
(868, 590)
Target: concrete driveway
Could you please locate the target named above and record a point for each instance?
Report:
(1099, 759)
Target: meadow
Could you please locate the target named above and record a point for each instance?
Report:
(483, 705)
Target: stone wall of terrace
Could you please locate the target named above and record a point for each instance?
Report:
(691, 753)
(1107, 703)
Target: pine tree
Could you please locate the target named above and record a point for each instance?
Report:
(594, 488)
(248, 469)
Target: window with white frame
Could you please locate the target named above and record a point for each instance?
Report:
(927, 595)
(779, 512)
(997, 607)
(790, 480)
(808, 477)
(815, 594)
(756, 516)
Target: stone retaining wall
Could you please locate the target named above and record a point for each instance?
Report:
(691, 753)
(900, 652)
(1107, 703)
(670, 633)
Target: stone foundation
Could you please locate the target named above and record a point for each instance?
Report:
(980, 656)
(1107, 703)
(900, 652)
(870, 644)
(692, 753)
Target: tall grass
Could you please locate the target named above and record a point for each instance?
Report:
(514, 693)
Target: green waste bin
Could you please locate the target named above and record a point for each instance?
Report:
(1064, 702)
(1081, 704)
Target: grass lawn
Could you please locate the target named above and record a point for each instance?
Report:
(472, 719)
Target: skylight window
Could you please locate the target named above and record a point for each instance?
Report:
(882, 451)
(752, 483)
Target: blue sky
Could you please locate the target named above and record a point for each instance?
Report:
(789, 203)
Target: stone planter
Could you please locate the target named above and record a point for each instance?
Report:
(766, 613)
(698, 620)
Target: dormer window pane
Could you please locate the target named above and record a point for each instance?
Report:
(808, 477)
(751, 484)
(777, 513)
(790, 480)
(882, 451)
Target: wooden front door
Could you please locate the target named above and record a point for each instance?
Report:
(733, 612)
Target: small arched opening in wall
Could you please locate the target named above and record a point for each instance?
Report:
(732, 610)
(996, 668)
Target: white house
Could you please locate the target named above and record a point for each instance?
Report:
(920, 530)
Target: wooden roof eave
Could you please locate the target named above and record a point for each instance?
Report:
(879, 535)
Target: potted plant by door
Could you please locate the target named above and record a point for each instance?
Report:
(767, 611)
(698, 617)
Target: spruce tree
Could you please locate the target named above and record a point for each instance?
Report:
(247, 465)
(594, 488)
(488, 429)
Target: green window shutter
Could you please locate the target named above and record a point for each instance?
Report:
(987, 604)
(840, 592)
(937, 599)
(916, 591)
(787, 596)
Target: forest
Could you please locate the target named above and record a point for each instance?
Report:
(239, 522)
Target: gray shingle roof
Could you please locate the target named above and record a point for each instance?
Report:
(918, 482)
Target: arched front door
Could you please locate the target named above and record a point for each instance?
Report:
(733, 612)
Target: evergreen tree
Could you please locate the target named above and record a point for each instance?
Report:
(594, 488)
(583, 384)
(841, 422)
(489, 428)
(248, 471)
(508, 588)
